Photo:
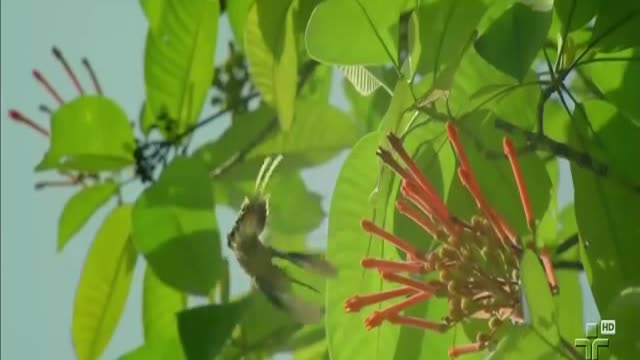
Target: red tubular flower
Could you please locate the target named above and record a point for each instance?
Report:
(477, 261)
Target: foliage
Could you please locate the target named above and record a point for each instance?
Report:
(560, 78)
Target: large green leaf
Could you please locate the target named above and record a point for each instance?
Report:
(606, 212)
(445, 29)
(161, 349)
(160, 304)
(91, 133)
(513, 40)
(340, 33)
(174, 226)
(618, 81)
(348, 244)
(204, 330)
(269, 42)
(79, 209)
(617, 25)
(104, 285)
(178, 60)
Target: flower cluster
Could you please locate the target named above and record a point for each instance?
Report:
(477, 261)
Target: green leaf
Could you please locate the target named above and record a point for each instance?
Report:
(162, 349)
(539, 302)
(104, 285)
(625, 310)
(204, 330)
(583, 12)
(445, 29)
(79, 209)
(317, 351)
(617, 25)
(512, 42)
(91, 133)
(271, 54)
(606, 212)
(174, 226)
(160, 304)
(237, 11)
(618, 81)
(293, 208)
(178, 64)
(340, 33)
(153, 10)
(347, 245)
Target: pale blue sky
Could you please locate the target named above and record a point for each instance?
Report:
(38, 285)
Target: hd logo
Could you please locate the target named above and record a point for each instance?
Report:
(592, 343)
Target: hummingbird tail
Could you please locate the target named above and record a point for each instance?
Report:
(302, 311)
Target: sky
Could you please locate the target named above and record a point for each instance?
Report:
(38, 284)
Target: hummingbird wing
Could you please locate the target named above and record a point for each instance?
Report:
(310, 262)
(277, 290)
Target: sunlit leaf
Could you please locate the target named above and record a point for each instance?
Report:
(204, 330)
(271, 53)
(79, 209)
(569, 303)
(160, 304)
(153, 10)
(339, 32)
(178, 60)
(104, 285)
(90, 133)
(513, 40)
(174, 226)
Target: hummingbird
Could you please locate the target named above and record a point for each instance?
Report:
(256, 258)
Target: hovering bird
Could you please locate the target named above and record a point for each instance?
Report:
(256, 258)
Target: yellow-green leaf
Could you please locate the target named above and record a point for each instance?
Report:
(269, 42)
(79, 209)
(104, 285)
